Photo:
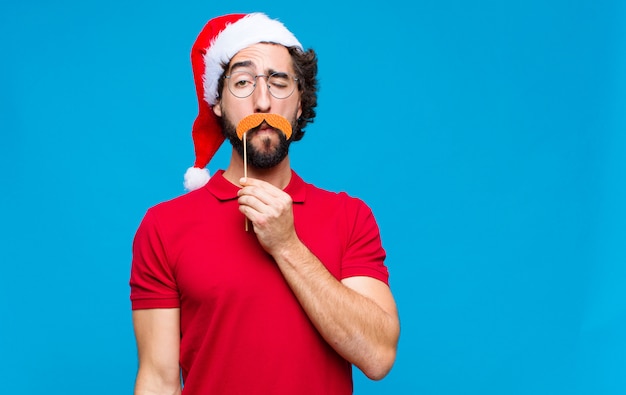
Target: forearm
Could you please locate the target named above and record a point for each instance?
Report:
(358, 328)
(158, 341)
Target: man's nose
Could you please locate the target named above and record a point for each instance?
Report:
(262, 96)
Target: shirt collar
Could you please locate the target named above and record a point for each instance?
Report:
(223, 189)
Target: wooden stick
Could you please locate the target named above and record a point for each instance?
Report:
(245, 164)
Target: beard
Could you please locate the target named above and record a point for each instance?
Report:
(264, 158)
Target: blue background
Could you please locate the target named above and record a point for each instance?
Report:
(488, 137)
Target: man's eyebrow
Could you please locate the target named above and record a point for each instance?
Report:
(243, 63)
(250, 64)
(272, 71)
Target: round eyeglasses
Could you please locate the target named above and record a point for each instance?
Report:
(242, 84)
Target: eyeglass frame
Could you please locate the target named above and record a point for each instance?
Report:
(267, 78)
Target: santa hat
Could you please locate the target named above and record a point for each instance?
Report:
(220, 39)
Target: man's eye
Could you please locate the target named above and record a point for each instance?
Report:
(279, 81)
(242, 83)
(279, 84)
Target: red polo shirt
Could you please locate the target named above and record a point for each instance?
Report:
(242, 329)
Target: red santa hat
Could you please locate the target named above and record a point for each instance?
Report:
(220, 39)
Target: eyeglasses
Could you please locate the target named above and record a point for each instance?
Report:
(242, 84)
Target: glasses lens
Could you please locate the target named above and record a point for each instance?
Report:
(281, 85)
(241, 84)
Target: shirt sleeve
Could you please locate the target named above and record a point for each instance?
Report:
(152, 282)
(365, 255)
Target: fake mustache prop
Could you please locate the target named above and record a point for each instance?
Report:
(255, 120)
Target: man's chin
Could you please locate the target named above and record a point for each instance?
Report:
(266, 158)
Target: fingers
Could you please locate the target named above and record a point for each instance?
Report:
(261, 190)
(261, 200)
(270, 211)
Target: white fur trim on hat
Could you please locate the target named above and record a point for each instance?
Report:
(249, 30)
(195, 178)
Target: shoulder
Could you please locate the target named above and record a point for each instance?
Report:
(340, 198)
(177, 212)
(337, 204)
(190, 201)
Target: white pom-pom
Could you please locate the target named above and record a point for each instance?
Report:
(195, 178)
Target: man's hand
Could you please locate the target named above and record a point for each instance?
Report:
(270, 211)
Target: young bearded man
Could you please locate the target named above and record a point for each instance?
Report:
(263, 284)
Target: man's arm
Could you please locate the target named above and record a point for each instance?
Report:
(357, 317)
(157, 332)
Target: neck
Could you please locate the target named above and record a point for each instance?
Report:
(279, 175)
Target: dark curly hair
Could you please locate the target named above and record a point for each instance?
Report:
(305, 68)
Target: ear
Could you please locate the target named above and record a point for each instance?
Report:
(299, 109)
(217, 109)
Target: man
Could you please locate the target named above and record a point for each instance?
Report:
(261, 284)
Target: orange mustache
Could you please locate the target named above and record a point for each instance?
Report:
(274, 120)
